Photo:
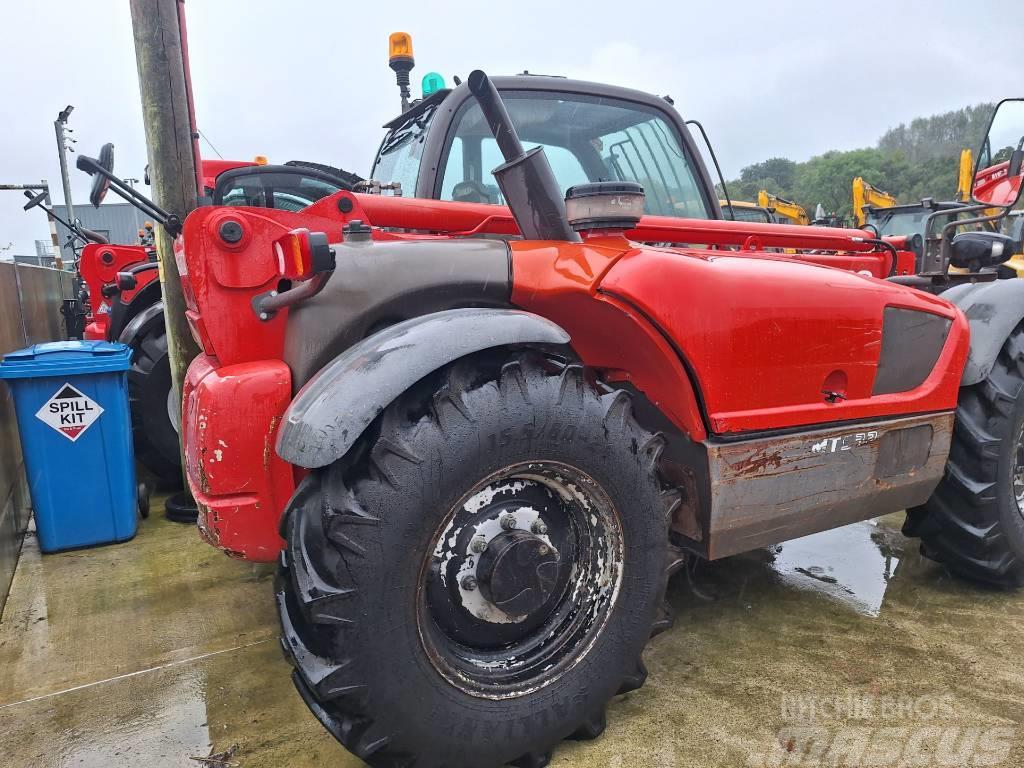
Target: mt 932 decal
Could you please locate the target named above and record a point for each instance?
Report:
(844, 442)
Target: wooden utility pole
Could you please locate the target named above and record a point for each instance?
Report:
(162, 59)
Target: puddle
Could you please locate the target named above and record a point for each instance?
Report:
(853, 564)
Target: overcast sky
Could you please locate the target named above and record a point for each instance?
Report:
(308, 79)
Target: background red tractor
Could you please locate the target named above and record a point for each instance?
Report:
(491, 451)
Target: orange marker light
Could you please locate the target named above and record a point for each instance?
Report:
(399, 46)
(260, 159)
(301, 254)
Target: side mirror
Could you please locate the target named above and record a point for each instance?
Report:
(100, 183)
(974, 251)
(34, 200)
(997, 176)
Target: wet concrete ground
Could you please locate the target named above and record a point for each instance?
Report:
(156, 651)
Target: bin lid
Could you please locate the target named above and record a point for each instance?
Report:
(60, 358)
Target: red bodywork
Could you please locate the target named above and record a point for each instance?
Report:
(994, 185)
(237, 391)
(707, 335)
(98, 266)
(214, 168)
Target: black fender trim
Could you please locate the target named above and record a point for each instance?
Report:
(993, 310)
(122, 314)
(141, 323)
(333, 409)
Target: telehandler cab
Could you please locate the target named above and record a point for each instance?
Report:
(494, 431)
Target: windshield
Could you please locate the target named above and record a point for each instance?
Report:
(743, 213)
(283, 190)
(586, 138)
(1013, 225)
(894, 222)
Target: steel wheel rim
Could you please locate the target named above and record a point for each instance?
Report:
(525, 653)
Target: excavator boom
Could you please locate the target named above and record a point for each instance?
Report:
(864, 196)
(785, 211)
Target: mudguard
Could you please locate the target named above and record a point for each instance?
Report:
(130, 304)
(142, 322)
(993, 310)
(331, 411)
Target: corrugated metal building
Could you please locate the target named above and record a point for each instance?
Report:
(118, 222)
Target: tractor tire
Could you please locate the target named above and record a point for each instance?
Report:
(149, 388)
(974, 522)
(414, 651)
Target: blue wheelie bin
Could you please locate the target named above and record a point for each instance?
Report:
(71, 399)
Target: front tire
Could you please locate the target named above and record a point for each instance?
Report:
(426, 631)
(149, 389)
(974, 522)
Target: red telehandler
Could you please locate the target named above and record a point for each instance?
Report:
(493, 427)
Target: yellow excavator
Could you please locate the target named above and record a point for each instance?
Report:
(738, 210)
(865, 195)
(783, 211)
(965, 178)
(1013, 225)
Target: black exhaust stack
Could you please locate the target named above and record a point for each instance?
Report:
(525, 179)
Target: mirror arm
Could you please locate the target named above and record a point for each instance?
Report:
(73, 229)
(949, 230)
(140, 201)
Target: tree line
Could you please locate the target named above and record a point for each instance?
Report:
(910, 161)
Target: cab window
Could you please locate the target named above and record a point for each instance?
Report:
(743, 213)
(398, 159)
(586, 139)
(283, 190)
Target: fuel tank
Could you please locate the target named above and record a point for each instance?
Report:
(772, 344)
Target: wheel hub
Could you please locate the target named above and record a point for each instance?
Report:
(521, 576)
(518, 572)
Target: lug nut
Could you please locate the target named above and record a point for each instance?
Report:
(468, 583)
(538, 527)
(478, 545)
(508, 522)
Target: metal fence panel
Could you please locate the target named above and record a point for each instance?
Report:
(12, 513)
(41, 294)
(30, 301)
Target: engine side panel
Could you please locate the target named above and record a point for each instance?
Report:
(560, 281)
(777, 344)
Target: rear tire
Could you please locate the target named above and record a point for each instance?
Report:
(405, 667)
(974, 522)
(149, 387)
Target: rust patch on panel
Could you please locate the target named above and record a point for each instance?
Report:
(768, 490)
(759, 462)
